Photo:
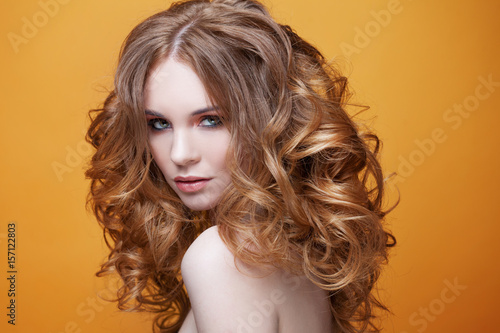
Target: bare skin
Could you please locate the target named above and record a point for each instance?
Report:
(225, 300)
(189, 144)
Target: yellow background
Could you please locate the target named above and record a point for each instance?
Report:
(412, 69)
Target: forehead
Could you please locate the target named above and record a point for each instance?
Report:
(173, 84)
(172, 73)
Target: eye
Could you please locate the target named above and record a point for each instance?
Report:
(211, 121)
(158, 124)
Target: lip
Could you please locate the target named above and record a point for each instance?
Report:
(190, 184)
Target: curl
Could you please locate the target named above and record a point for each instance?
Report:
(311, 200)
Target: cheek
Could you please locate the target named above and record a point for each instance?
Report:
(218, 150)
(159, 150)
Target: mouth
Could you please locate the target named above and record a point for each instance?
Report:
(190, 184)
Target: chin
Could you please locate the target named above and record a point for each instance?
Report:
(199, 205)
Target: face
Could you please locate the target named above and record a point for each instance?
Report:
(187, 138)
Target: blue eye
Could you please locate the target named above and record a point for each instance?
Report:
(158, 124)
(211, 121)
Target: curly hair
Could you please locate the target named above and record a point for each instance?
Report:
(310, 200)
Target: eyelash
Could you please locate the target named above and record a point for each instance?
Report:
(154, 121)
(216, 119)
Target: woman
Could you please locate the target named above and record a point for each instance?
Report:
(235, 192)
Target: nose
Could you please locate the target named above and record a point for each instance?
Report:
(184, 149)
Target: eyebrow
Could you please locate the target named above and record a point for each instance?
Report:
(195, 113)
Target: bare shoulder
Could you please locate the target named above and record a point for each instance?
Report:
(207, 249)
(209, 253)
(223, 298)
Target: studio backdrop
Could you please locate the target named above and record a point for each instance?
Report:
(429, 71)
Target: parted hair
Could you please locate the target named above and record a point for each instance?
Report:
(307, 188)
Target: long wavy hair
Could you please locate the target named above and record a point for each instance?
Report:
(310, 200)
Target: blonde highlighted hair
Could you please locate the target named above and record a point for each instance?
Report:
(307, 187)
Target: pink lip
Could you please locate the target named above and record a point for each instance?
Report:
(190, 184)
